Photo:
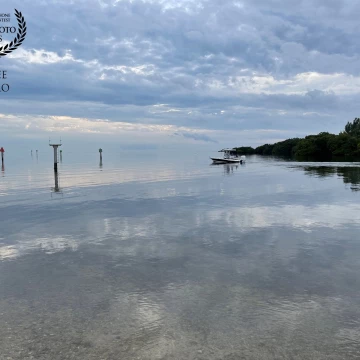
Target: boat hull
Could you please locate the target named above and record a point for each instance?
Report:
(226, 161)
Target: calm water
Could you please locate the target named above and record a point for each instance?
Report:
(162, 256)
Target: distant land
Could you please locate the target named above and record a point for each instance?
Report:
(321, 147)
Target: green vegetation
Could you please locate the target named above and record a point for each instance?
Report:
(324, 146)
(245, 150)
(353, 128)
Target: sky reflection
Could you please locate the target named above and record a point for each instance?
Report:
(262, 264)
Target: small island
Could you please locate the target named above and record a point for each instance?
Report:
(321, 147)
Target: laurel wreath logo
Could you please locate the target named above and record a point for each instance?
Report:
(19, 38)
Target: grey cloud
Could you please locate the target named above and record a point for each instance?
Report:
(195, 136)
(192, 55)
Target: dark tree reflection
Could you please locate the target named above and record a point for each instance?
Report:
(349, 175)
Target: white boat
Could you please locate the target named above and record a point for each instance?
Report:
(230, 157)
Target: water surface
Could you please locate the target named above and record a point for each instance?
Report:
(162, 256)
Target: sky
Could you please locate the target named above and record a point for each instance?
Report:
(208, 72)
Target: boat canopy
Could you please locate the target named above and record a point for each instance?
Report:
(231, 152)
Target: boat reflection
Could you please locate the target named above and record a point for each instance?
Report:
(228, 168)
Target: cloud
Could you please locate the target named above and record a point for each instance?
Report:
(42, 57)
(140, 134)
(69, 125)
(213, 64)
(195, 136)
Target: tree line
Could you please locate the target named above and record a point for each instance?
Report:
(323, 146)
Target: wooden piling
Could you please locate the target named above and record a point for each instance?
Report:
(2, 155)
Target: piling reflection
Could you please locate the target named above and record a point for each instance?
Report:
(56, 188)
(2, 169)
(350, 174)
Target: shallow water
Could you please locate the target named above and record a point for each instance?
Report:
(162, 256)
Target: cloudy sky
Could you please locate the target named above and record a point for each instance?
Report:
(218, 72)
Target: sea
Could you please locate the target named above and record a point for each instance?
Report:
(160, 255)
